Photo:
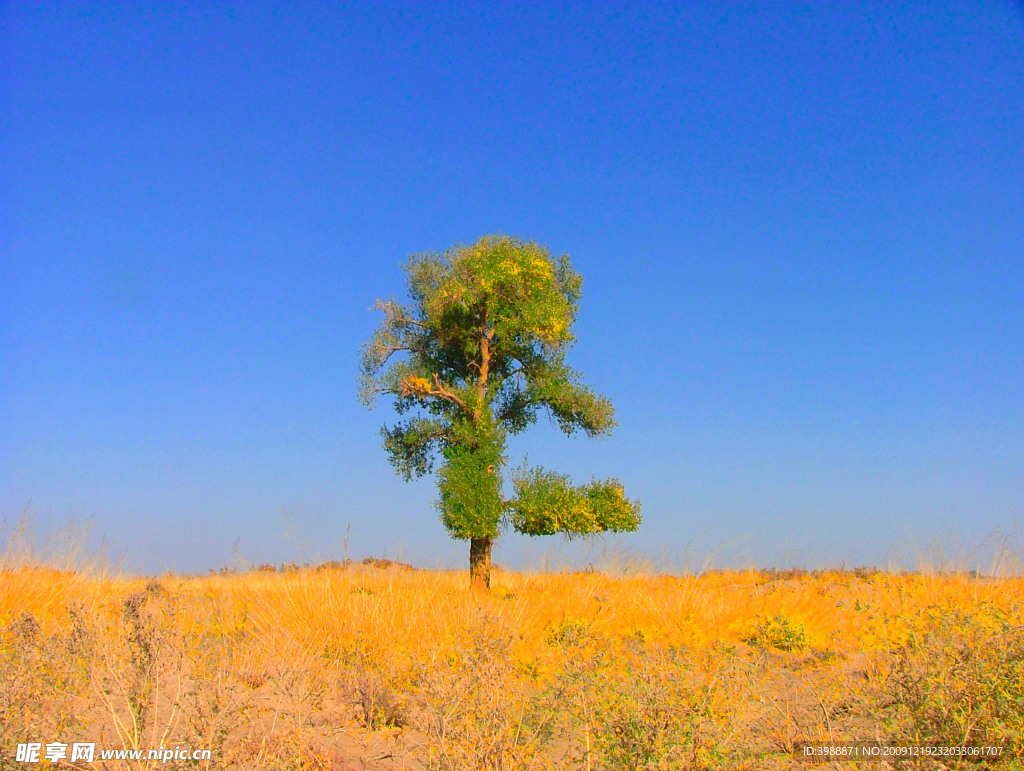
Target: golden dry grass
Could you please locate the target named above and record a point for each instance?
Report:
(359, 667)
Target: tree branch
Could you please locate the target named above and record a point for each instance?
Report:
(517, 406)
(444, 393)
(421, 387)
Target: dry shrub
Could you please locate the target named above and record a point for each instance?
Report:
(283, 750)
(380, 703)
(32, 665)
(645, 707)
(959, 680)
(144, 676)
(805, 698)
(299, 669)
(475, 704)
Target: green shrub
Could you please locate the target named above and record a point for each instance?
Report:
(778, 632)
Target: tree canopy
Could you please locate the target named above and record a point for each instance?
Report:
(476, 355)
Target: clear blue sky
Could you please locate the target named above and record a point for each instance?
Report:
(800, 226)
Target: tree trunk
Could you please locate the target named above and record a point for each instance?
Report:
(480, 563)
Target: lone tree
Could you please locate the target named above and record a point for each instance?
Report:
(475, 356)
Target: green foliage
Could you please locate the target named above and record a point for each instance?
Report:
(470, 484)
(778, 632)
(477, 355)
(546, 503)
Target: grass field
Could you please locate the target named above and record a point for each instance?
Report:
(373, 665)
